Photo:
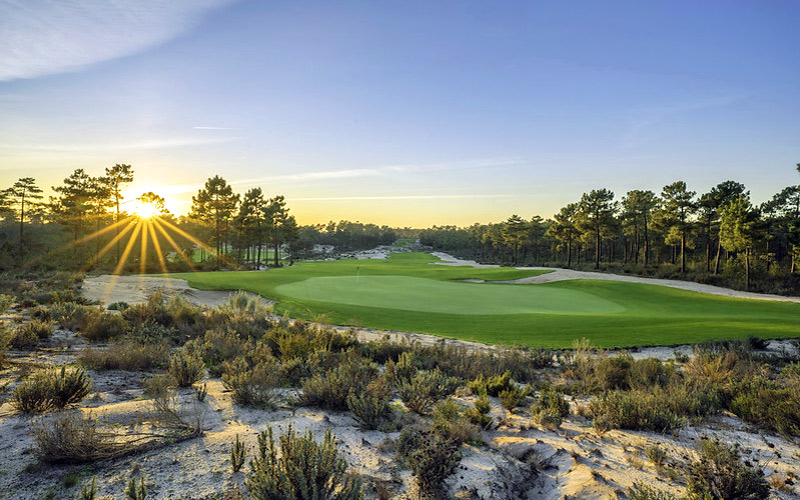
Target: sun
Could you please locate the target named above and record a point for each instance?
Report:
(144, 209)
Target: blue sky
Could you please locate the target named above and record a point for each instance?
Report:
(404, 113)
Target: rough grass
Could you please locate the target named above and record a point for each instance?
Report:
(634, 314)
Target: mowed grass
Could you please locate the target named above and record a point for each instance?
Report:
(407, 293)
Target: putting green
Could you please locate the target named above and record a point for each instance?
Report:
(407, 293)
(447, 297)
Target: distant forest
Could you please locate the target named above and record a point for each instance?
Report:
(718, 237)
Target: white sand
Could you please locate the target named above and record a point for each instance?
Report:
(559, 274)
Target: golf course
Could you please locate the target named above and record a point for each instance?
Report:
(405, 292)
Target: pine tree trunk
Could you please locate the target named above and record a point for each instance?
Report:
(716, 260)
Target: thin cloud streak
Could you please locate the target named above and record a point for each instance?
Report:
(43, 37)
(409, 197)
(88, 148)
(388, 169)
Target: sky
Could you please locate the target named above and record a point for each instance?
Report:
(406, 113)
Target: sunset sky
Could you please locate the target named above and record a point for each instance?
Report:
(402, 112)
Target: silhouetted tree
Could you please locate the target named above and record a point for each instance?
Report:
(23, 194)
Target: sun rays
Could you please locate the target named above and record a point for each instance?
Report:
(153, 234)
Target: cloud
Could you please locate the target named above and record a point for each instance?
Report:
(409, 197)
(90, 148)
(213, 128)
(43, 37)
(388, 169)
(645, 118)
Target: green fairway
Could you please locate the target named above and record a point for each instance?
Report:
(407, 293)
(420, 294)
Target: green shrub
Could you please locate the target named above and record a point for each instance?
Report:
(39, 328)
(635, 411)
(136, 491)
(719, 473)
(331, 388)
(69, 314)
(89, 490)
(432, 459)
(238, 455)
(369, 407)
(306, 469)
(216, 347)
(425, 388)
(6, 301)
(69, 386)
(550, 410)
(100, 326)
(53, 388)
(511, 398)
(118, 306)
(479, 413)
(252, 385)
(765, 403)
(642, 491)
(130, 355)
(453, 423)
(493, 386)
(186, 369)
(656, 454)
(24, 337)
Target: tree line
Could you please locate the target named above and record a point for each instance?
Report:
(716, 237)
(80, 227)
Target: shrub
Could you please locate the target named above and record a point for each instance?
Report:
(550, 410)
(719, 473)
(331, 388)
(252, 385)
(134, 491)
(69, 386)
(431, 458)
(479, 413)
(656, 454)
(54, 388)
(186, 368)
(452, 423)
(5, 342)
(40, 328)
(305, 470)
(72, 438)
(130, 355)
(635, 411)
(238, 455)
(118, 306)
(426, 388)
(6, 301)
(641, 491)
(368, 407)
(69, 314)
(493, 386)
(89, 490)
(511, 398)
(763, 402)
(24, 338)
(100, 326)
(216, 347)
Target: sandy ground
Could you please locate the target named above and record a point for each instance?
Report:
(108, 289)
(571, 462)
(559, 274)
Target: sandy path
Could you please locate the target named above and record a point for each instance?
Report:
(134, 289)
(559, 274)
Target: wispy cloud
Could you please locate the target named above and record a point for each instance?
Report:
(146, 144)
(42, 37)
(409, 197)
(644, 118)
(388, 169)
(213, 128)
